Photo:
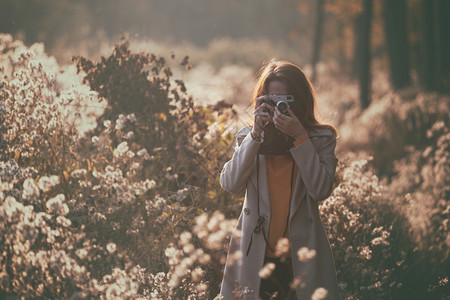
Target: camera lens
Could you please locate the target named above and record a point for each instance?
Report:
(283, 107)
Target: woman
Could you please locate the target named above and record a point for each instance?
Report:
(285, 164)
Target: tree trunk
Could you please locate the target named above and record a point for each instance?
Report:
(341, 48)
(357, 46)
(427, 66)
(434, 73)
(364, 64)
(317, 39)
(397, 42)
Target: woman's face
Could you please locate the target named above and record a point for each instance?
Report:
(277, 88)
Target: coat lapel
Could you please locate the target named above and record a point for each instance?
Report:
(298, 196)
(299, 189)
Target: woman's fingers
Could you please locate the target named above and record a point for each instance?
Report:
(265, 108)
(289, 124)
(260, 105)
(280, 116)
(262, 117)
(263, 112)
(282, 121)
(259, 100)
(279, 124)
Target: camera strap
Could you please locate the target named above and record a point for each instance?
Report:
(260, 221)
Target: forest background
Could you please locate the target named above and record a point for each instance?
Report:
(117, 116)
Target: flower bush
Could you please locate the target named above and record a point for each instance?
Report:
(106, 188)
(393, 122)
(369, 239)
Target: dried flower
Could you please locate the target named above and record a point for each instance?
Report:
(305, 254)
(319, 294)
(267, 270)
(57, 205)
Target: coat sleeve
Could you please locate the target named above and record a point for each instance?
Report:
(317, 165)
(235, 172)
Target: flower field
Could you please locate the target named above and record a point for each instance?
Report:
(109, 182)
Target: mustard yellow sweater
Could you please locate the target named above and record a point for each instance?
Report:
(279, 170)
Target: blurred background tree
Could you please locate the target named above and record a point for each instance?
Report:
(397, 43)
(411, 36)
(435, 40)
(421, 24)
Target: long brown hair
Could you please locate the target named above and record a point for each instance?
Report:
(297, 84)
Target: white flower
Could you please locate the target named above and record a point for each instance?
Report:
(120, 124)
(182, 194)
(130, 135)
(141, 188)
(204, 259)
(185, 237)
(305, 254)
(78, 173)
(188, 248)
(46, 183)
(143, 153)
(40, 220)
(201, 287)
(111, 247)
(57, 205)
(197, 274)
(130, 154)
(30, 189)
(282, 247)
(11, 208)
(149, 184)
(366, 253)
(170, 252)
(319, 294)
(121, 149)
(132, 117)
(267, 270)
(63, 221)
(202, 220)
(235, 258)
(81, 253)
(113, 292)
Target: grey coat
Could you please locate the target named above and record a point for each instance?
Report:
(316, 163)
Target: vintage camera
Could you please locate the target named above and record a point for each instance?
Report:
(275, 142)
(280, 101)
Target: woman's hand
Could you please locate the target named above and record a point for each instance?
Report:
(263, 113)
(289, 125)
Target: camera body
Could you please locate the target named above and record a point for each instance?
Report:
(280, 101)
